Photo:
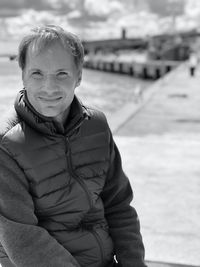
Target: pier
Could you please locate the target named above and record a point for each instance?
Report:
(160, 145)
(147, 58)
(143, 68)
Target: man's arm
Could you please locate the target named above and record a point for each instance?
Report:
(122, 219)
(25, 243)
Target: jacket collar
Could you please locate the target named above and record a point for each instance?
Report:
(47, 125)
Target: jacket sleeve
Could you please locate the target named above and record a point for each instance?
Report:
(22, 240)
(122, 219)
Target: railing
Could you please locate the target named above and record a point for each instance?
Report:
(146, 69)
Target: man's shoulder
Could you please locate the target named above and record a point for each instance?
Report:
(96, 122)
(95, 113)
(8, 121)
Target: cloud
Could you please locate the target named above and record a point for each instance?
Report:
(103, 7)
(5, 12)
(15, 7)
(10, 8)
(192, 8)
(12, 4)
(90, 19)
(134, 24)
(39, 5)
(90, 13)
(16, 27)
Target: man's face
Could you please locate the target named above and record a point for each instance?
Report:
(50, 78)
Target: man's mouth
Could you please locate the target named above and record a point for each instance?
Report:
(49, 99)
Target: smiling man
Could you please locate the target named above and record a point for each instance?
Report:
(50, 79)
(64, 198)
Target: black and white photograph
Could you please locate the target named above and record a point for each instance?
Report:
(99, 133)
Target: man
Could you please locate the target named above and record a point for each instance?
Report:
(64, 199)
(193, 62)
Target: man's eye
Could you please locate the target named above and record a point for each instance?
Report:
(37, 75)
(62, 75)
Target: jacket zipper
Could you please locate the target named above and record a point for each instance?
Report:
(75, 176)
(84, 187)
(98, 239)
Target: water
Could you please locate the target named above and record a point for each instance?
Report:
(105, 91)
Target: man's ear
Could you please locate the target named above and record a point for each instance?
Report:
(23, 78)
(79, 79)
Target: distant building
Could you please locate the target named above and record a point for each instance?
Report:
(114, 45)
(172, 46)
(160, 47)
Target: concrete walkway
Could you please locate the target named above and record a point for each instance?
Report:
(160, 145)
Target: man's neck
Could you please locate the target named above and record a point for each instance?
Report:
(62, 117)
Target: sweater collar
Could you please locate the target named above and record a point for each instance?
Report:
(47, 125)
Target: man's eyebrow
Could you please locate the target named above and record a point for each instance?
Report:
(56, 71)
(62, 70)
(34, 69)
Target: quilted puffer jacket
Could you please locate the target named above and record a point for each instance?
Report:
(64, 199)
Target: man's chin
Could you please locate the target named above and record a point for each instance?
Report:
(57, 115)
(50, 114)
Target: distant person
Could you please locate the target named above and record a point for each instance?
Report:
(138, 94)
(64, 198)
(193, 61)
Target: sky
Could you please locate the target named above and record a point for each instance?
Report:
(92, 19)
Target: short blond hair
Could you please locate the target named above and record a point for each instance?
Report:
(41, 37)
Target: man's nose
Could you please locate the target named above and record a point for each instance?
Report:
(50, 83)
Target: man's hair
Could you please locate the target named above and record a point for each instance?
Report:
(41, 37)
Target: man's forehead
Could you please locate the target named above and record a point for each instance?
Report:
(37, 48)
(49, 58)
(52, 52)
